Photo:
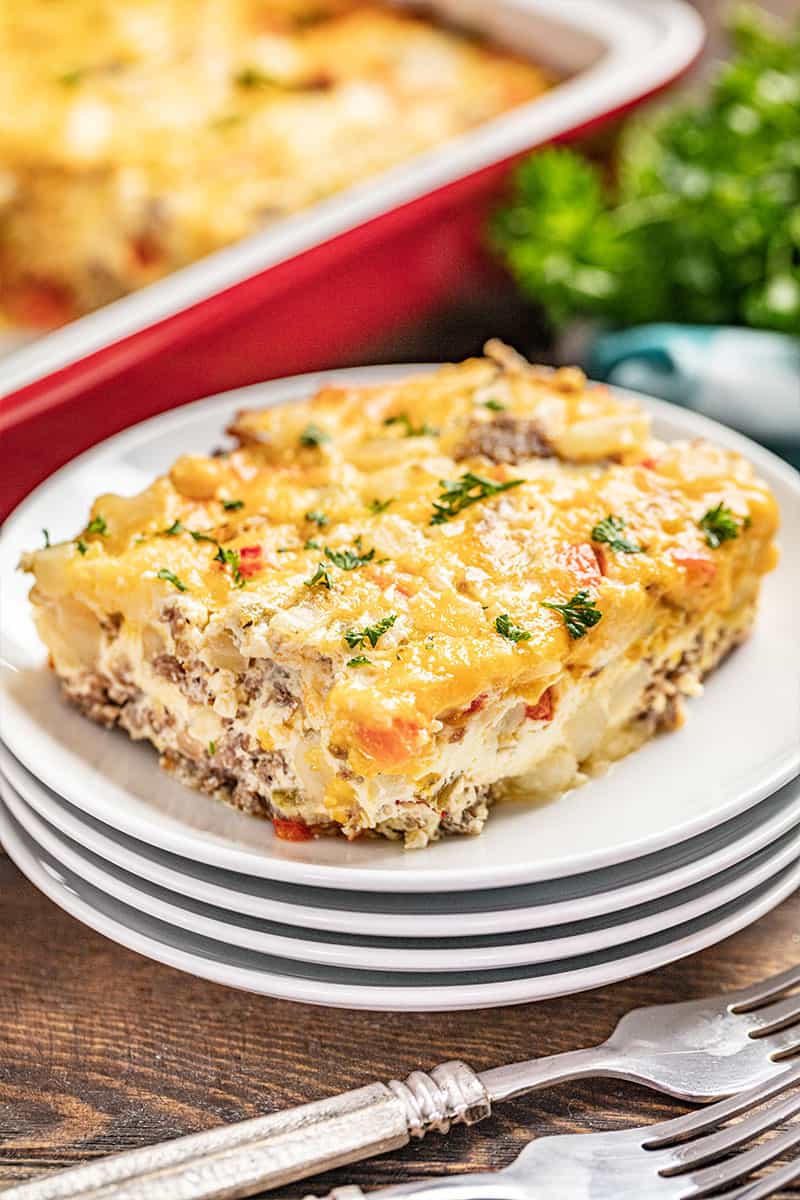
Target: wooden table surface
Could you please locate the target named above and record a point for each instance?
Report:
(101, 1050)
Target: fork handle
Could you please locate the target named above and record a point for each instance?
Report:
(239, 1160)
(517, 1079)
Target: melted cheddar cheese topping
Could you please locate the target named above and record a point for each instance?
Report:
(319, 528)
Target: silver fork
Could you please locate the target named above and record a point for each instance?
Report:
(699, 1050)
(682, 1159)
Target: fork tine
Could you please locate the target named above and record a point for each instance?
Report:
(767, 989)
(777, 1016)
(714, 1145)
(711, 1179)
(784, 1043)
(668, 1133)
(761, 1189)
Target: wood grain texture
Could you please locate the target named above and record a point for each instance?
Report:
(101, 1050)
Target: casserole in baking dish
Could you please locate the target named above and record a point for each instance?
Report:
(323, 285)
(138, 136)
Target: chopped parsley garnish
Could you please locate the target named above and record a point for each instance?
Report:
(212, 748)
(312, 544)
(360, 660)
(348, 560)
(312, 435)
(319, 518)
(719, 525)
(171, 577)
(379, 506)
(580, 613)
(494, 405)
(97, 525)
(199, 536)
(232, 505)
(321, 576)
(72, 78)
(46, 536)
(81, 544)
(609, 530)
(253, 77)
(229, 558)
(460, 493)
(507, 629)
(370, 633)
(411, 430)
(226, 121)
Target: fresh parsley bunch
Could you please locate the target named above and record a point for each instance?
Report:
(703, 222)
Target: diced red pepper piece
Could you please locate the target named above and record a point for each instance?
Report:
(146, 251)
(582, 559)
(543, 709)
(383, 580)
(291, 831)
(39, 305)
(477, 705)
(391, 744)
(700, 568)
(251, 560)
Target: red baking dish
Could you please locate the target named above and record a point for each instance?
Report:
(312, 289)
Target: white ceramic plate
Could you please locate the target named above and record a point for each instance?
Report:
(731, 753)
(408, 954)
(378, 990)
(591, 895)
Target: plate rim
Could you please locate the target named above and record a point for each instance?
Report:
(376, 998)
(495, 921)
(346, 954)
(410, 879)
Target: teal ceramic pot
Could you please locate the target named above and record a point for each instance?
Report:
(746, 378)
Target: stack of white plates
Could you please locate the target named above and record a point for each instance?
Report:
(687, 841)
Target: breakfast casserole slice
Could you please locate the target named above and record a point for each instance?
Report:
(390, 605)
